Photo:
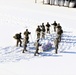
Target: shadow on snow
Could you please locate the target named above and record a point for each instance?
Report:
(12, 53)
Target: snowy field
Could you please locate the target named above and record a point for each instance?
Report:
(15, 17)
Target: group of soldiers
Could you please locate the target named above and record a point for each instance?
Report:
(41, 29)
(18, 37)
(57, 28)
(40, 32)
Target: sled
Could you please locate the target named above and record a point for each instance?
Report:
(46, 47)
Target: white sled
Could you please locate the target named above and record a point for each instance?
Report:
(46, 1)
(66, 3)
(61, 3)
(56, 2)
(52, 2)
(71, 4)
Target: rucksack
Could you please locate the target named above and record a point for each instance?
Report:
(60, 32)
(17, 36)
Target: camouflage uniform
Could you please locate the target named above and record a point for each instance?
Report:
(25, 45)
(55, 24)
(18, 38)
(58, 37)
(56, 42)
(43, 30)
(48, 27)
(26, 39)
(58, 26)
(26, 33)
(38, 30)
(59, 32)
(37, 44)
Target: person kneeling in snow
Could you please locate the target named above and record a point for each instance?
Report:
(37, 44)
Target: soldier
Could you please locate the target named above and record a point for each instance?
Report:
(38, 30)
(59, 32)
(58, 37)
(37, 44)
(26, 39)
(56, 43)
(18, 38)
(26, 33)
(55, 24)
(58, 26)
(25, 45)
(43, 30)
(48, 27)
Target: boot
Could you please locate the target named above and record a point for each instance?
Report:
(34, 54)
(23, 51)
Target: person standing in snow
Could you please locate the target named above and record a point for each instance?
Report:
(59, 31)
(56, 43)
(54, 24)
(48, 27)
(18, 37)
(38, 30)
(59, 26)
(43, 30)
(25, 45)
(37, 44)
(26, 39)
(26, 33)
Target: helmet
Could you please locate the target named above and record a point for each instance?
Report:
(26, 29)
(20, 33)
(54, 21)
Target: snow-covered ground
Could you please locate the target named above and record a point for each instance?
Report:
(15, 17)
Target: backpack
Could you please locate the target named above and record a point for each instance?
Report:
(17, 36)
(60, 32)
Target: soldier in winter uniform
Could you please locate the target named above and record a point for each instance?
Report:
(59, 32)
(18, 38)
(55, 24)
(37, 44)
(26, 33)
(48, 27)
(38, 30)
(58, 37)
(56, 43)
(25, 45)
(26, 39)
(59, 26)
(43, 30)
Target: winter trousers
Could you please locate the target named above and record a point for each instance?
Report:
(19, 41)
